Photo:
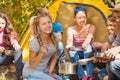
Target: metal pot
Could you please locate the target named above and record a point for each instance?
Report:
(99, 54)
(67, 68)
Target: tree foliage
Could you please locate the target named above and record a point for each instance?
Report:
(20, 11)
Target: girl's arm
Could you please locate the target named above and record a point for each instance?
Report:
(69, 38)
(14, 41)
(60, 35)
(15, 45)
(53, 62)
(34, 58)
(89, 37)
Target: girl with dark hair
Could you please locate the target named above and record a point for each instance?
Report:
(81, 35)
(8, 41)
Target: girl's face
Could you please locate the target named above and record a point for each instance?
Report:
(111, 26)
(45, 24)
(81, 18)
(2, 24)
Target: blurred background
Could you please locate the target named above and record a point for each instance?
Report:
(20, 11)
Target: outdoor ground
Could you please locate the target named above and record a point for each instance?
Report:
(7, 72)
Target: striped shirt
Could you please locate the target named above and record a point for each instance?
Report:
(78, 41)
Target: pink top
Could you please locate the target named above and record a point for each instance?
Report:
(12, 39)
(1, 38)
(78, 41)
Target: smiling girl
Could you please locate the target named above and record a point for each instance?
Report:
(8, 41)
(81, 35)
(42, 47)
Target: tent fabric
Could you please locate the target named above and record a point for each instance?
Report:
(61, 11)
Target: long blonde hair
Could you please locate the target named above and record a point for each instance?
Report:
(34, 23)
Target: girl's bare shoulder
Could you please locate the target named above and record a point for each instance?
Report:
(71, 28)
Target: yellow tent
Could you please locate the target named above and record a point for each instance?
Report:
(62, 11)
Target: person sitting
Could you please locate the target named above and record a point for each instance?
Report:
(114, 35)
(81, 35)
(113, 67)
(42, 47)
(8, 41)
(57, 28)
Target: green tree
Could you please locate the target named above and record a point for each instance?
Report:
(20, 11)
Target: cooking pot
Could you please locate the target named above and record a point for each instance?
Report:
(84, 61)
(67, 68)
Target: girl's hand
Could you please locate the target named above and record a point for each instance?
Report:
(16, 46)
(2, 49)
(84, 47)
(53, 76)
(44, 49)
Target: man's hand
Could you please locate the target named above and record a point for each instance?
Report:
(101, 60)
(111, 53)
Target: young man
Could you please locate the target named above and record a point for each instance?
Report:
(112, 51)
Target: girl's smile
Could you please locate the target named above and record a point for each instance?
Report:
(45, 24)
